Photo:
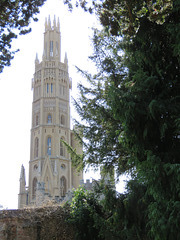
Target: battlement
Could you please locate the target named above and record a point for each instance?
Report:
(88, 185)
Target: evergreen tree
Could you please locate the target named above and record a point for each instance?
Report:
(98, 126)
(131, 111)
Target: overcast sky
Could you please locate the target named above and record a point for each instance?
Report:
(16, 94)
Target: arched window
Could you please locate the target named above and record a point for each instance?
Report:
(34, 187)
(36, 147)
(63, 189)
(49, 119)
(62, 148)
(62, 119)
(49, 146)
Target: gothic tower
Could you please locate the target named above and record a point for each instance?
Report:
(50, 163)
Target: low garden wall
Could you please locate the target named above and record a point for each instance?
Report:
(45, 223)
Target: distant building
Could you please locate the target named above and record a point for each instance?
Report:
(51, 174)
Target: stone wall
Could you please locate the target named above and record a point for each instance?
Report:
(46, 223)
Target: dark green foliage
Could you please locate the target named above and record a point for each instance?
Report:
(152, 108)
(130, 110)
(102, 214)
(98, 126)
(83, 209)
(15, 17)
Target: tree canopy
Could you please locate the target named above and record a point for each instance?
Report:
(15, 17)
(130, 112)
(104, 214)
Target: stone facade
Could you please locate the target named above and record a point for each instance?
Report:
(51, 174)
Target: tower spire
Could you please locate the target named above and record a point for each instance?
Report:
(50, 125)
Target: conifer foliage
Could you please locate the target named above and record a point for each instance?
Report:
(130, 113)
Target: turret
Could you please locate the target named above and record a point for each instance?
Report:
(22, 196)
(22, 180)
(51, 174)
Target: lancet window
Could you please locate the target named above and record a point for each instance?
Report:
(62, 148)
(49, 146)
(49, 120)
(51, 48)
(62, 119)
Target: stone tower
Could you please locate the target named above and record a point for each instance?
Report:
(50, 164)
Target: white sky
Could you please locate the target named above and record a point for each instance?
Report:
(16, 94)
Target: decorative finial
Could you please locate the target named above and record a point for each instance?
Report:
(22, 171)
(58, 25)
(46, 25)
(66, 59)
(36, 60)
(49, 22)
(36, 56)
(54, 23)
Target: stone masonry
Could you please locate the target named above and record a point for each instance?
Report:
(35, 224)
